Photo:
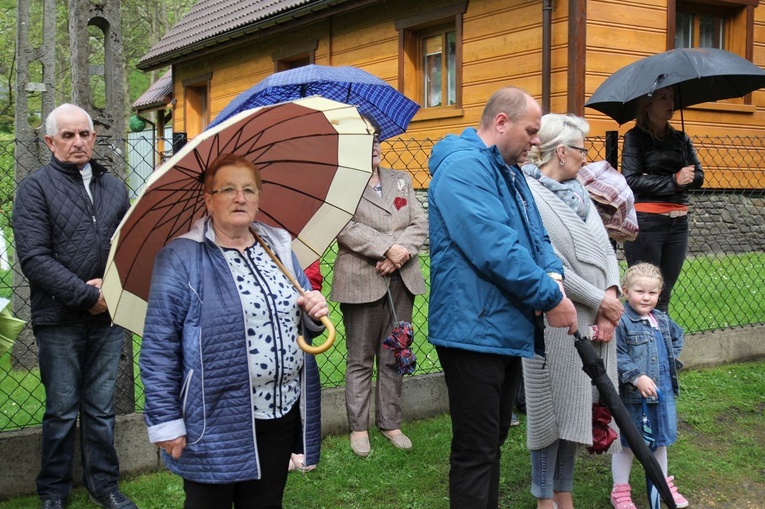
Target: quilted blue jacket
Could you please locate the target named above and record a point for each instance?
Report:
(194, 363)
(63, 239)
(489, 252)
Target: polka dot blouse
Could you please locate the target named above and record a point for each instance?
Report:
(271, 326)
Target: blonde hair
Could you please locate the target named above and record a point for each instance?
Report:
(642, 270)
(556, 130)
(641, 115)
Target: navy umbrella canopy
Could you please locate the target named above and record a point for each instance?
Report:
(376, 99)
(697, 74)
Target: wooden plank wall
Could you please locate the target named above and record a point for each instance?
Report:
(502, 45)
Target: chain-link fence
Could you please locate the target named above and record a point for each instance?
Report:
(721, 285)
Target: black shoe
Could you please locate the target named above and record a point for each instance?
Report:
(114, 500)
(53, 503)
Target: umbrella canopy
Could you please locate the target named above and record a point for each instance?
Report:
(596, 370)
(400, 342)
(315, 159)
(374, 98)
(699, 75)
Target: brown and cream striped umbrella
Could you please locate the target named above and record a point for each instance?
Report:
(315, 159)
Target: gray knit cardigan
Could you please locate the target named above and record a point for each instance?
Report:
(559, 394)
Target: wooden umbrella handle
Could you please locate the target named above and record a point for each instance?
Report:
(313, 350)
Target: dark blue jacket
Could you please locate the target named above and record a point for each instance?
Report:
(63, 239)
(194, 361)
(489, 252)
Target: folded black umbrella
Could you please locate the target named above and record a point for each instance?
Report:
(593, 365)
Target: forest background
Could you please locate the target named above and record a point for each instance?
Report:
(143, 24)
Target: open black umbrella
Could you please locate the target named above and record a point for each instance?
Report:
(698, 74)
(593, 365)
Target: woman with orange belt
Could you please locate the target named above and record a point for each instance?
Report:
(660, 165)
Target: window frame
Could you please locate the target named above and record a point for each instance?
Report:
(411, 79)
(196, 104)
(739, 26)
(285, 58)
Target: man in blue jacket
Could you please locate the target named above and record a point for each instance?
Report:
(493, 272)
(63, 219)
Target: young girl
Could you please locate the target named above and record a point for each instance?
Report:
(648, 343)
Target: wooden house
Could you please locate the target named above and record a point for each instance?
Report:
(449, 56)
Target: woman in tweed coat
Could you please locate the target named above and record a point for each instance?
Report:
(559, 394)
(378, 249)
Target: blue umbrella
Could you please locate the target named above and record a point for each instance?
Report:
(645, 430)
(374, 98)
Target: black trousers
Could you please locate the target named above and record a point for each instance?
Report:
(662, 241)
(276, 441)
(482, 389)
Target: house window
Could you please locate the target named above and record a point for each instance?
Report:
(721, 24)
(196, 93)
(295, 55)
(430, 57)
(697, 30)
(439, 65)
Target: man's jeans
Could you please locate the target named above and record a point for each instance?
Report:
(78, 367)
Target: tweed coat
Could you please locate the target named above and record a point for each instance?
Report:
(396, 218)
(559, 394)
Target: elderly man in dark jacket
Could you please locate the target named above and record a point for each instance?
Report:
(63, 220)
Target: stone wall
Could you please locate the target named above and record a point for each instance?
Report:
(727, 222)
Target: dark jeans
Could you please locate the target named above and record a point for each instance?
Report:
(276, 441)
(78, 367)
(482, 389)
(662, 241)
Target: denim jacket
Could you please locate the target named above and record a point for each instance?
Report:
(637, 354)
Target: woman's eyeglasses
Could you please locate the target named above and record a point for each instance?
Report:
(581, 150)
(229, 193)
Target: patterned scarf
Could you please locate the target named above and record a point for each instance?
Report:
(571, 192)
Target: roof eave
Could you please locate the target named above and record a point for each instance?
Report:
(286, 20)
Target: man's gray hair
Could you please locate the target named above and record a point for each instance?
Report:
(51, 123)
(511, 101)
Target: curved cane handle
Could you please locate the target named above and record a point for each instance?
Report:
(315, 350)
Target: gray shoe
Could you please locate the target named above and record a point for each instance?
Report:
(53, 503)
(114, 500)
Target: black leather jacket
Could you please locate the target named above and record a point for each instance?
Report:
(649, 166)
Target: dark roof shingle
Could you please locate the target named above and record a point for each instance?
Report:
(158, 94)
(211, 18)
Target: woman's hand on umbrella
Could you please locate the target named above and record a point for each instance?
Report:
(385, 267)
(314, 304)
(398, 255)
(173, 447)
(646, 387)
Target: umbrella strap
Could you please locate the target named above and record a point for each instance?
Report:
(392, 306)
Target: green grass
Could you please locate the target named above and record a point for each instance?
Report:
(718, 460)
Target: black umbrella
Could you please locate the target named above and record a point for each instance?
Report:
(699, 75)
(593, 365)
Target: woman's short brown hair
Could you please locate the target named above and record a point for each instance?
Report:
(229, 159)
